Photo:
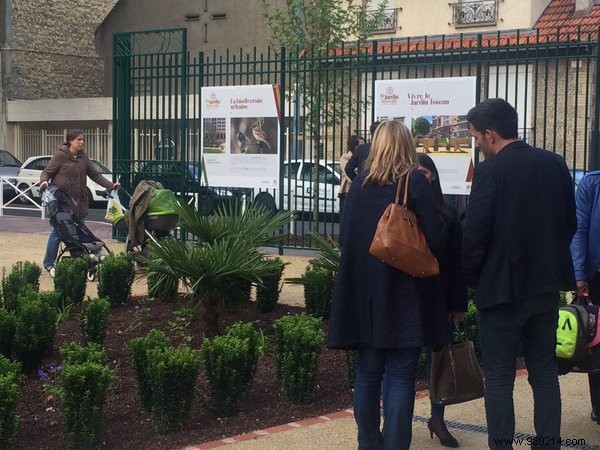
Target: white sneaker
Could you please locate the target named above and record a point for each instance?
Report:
(51, 271)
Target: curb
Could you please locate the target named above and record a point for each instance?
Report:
(294, 425)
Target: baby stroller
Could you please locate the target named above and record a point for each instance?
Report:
(76, 239)
(150, 216)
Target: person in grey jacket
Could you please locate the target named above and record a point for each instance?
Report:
(386, 314)
(585, 250)
(69, 168)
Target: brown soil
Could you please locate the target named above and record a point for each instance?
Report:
(128, 426)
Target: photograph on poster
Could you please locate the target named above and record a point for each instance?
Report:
(215, 133)
(253, 135)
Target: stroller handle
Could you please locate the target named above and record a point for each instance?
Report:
(106, 193)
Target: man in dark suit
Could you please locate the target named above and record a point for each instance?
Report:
(519, 224)
(355, 164)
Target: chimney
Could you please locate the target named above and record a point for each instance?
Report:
(582, 8)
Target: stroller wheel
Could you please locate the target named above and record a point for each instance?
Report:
(91, 275)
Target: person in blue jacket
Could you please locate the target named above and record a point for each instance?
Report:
(585, 251)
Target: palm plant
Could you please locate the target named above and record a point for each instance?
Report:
(221, 261)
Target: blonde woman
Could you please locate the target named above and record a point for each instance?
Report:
(378, 310)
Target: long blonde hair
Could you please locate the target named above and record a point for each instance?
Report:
(392, 154)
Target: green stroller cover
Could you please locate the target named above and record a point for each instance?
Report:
(162, 203)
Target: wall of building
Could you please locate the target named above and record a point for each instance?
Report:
(50, 51)
(413, 19)
(212, 25)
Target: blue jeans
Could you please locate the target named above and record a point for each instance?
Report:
(400, 367)
(531, 322)
(52, 247)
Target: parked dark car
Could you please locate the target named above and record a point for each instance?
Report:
(9, 166)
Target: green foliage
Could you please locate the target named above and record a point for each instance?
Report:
(71, 279)
(300, 340)
(23, 276)
(34, 334)
(318, 23)
(179, 326)
(256, 347)
(8, 326)
(421, 126)
(10, 379)
(319, 277)
(162, 288)
(84, 384)
(318, 290)
(139, 348)
(226, 360)
(267, 293)
(94, 317)
(73, 353)
(172, 373)
(469, 326)
(115, 278)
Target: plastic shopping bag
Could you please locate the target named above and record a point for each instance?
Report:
(114, 209)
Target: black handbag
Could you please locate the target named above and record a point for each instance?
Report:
(456, 376)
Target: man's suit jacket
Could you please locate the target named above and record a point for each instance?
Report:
(360, 155)
(519, 223)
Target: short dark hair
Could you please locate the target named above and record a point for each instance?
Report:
(497, 115)
(373, 128)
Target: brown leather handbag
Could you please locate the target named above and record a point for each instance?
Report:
(399, 242)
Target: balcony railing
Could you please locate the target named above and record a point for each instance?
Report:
(389, 21)
(474, 13)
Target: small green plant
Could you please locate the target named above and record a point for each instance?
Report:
(23, 275)
(139, 312)
(115, 278)
(318, 290)
(179, 326)
(71, 279)
(469, 326)
(83, 386)
(173, 373)
(162, 288)
(94, 317)
(226, 361)
(49, 376)
(267, 294)
(139, 348)
(10, 380)
(256, 346)
(8, 326)
(300, 340)
(34, 334)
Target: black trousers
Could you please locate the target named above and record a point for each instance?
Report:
(594, 378)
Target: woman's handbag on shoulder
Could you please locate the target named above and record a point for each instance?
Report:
(399, 242)
(456, 376)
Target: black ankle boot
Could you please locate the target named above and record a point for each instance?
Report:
(436, 425)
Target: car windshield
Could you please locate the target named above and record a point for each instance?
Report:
(8, 160)
(100, 167)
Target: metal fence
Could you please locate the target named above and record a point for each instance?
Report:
(552, 80)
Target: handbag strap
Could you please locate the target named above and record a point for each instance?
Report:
(405, 199)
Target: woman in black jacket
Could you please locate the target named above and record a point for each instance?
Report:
(451, 278)
(384, 313)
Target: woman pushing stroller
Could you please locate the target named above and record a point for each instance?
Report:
(68, 169)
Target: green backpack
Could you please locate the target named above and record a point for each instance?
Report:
(571, 333)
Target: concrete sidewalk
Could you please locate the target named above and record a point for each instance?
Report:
(338, 430)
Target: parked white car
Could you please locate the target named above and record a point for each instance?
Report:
(301, 178)
(28, 178)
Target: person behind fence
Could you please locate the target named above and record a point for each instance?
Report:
(519, 223)
(452, 280)
(378, 310)
(353, 141)
(585, 250)
(69, 168)
(356, 164)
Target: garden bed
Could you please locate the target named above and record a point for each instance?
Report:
(128, 426)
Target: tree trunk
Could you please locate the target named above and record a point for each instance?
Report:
(210, 315)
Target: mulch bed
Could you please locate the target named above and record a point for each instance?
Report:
(127, 426)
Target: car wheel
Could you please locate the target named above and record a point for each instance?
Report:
(22, 198)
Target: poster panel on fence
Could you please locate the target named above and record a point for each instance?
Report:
(240, 129)
(435, 110)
